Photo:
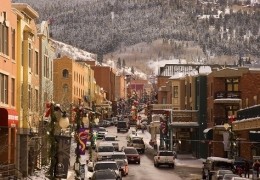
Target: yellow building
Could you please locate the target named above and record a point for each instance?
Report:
(27, 83)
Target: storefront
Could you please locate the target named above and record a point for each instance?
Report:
(8, 127)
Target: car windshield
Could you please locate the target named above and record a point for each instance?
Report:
(110, 138)
(102, 129)
(105, 149)
(166, 153)
(118, 156)
(138, 141)
(120, 163)
(223, 164)
(130, 151)
(101, 166)
(104, 175)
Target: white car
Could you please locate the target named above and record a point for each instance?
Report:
(229, 176)
(164, 157)
(113, 140)
(239, 178)
(104, 151)
(101, 165)
(119, 155)
(220, 173)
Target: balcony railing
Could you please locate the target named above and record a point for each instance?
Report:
(228, 94)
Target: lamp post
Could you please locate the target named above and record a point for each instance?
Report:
(53, 140)
(82, 120)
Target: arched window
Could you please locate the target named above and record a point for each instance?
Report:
(65, 73)
(65, 88)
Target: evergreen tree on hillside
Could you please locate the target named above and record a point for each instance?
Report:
(123, 63)
(100, 58)
(119, 63)
(132, 70)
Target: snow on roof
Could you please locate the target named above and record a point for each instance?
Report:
(213, 158)
(155, 65)
(126, 70)
(73, 52)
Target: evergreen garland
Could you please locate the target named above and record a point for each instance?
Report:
(53, 144)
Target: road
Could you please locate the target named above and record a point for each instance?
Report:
(146, 169)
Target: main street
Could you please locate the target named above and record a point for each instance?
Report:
(146, 169)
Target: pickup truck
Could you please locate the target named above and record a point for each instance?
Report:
(164, 157)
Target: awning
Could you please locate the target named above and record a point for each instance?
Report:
(8, 117)
(208, 133)
(254, 135)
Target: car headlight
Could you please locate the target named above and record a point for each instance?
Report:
(99, 157)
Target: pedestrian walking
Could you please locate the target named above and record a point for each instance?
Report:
(246, 169)
(256, 167)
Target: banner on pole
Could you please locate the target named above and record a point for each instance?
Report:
(83, 137)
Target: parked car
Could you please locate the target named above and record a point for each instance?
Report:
(131, 154)
(213, 164)
(115, 120)
(104, 123)
(104, 174)
(164, 157)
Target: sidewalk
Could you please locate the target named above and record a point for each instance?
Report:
(185, 160)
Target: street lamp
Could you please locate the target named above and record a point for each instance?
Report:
(57, 168)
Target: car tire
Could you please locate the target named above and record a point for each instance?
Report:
(138, 162)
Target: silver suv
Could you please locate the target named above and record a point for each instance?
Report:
(137, 143)
(101, 165)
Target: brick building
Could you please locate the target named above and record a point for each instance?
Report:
(230, 90)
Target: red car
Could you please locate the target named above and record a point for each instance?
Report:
(131, 154)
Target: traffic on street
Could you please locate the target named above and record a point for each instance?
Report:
(143, 168)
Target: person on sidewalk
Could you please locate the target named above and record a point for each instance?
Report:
(256, 167)
(246, 169)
